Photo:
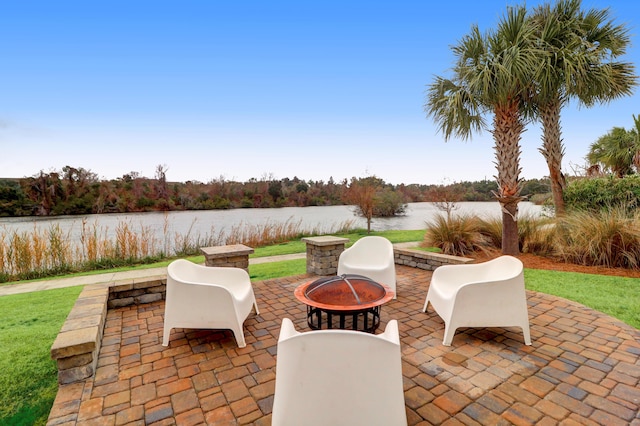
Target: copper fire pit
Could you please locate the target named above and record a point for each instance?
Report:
(346, 301)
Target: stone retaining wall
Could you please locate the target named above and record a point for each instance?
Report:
(130, 293)
(426, 260)
(76, 347)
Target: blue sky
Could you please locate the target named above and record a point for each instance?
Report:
(254, 89)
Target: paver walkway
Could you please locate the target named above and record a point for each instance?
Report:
(583, 367)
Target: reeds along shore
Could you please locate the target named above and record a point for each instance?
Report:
(39, 253)
(609, 238)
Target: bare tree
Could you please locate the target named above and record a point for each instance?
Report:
(362, 194)
(162, 190)
(445, 197)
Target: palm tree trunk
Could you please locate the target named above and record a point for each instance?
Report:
(510, 241)
(507, 130)
(553, 151)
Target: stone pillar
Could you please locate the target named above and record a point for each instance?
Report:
(235, 256)
(323, 253)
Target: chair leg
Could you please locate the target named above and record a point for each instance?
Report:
(448, 334)
(527, 334)
(426, 302)
(239, 335)
(165, 335)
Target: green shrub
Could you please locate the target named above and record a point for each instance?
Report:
(596, 194)
(388, 203)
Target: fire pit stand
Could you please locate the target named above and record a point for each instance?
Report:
(345, 302)
(366, 320)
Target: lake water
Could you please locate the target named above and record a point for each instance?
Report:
(208, 222)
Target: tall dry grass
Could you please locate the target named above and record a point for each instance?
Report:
(19, 253)
(455, 235)
(39, 250)
(491, 228)
(61, 254)
(608, 238)
(27, 255)
(33, 254)
(190, 243)
(535, 234)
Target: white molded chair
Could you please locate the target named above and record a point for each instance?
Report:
(207, 297)
(338, 377)
(371, 257)
(489, 294)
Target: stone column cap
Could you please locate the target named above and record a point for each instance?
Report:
(325, 240)
(226, 251)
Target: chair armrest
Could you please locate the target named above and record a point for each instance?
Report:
(287, 330)
(391, 332)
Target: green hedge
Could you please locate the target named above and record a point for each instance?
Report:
(596, 194)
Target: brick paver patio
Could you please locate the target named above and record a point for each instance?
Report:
(583, 367)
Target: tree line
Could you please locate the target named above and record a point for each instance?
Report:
(78, 191)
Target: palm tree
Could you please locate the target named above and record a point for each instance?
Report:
(582, 64)
(615, 152)
(492, 75)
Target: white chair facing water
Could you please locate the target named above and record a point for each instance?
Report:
(371, 257)
(207, 297)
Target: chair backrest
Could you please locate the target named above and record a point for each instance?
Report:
(184, 271)
(371, 249)
(499, 269)
(338, 377)
(193, 289)
(188, 272)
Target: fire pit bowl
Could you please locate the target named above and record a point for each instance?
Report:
(345, 301)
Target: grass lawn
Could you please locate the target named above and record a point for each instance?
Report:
(615, 296)
(30, 322)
